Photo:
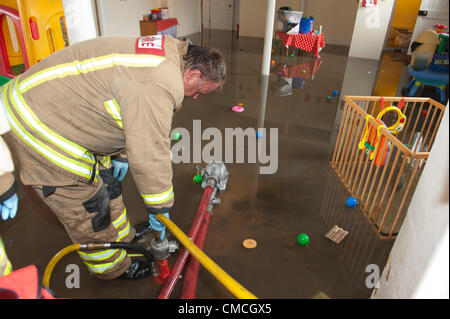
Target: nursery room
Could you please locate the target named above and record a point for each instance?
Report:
(223, 150)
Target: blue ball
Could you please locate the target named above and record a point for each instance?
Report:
(335, 92)
(351, 202)
(259, 134)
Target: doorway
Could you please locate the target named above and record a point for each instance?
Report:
(220, 14)
(402, 25)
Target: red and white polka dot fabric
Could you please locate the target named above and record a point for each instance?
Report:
(165, 24)
(305, 70)
(304, 41)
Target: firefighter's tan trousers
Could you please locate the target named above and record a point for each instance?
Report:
(93, 213)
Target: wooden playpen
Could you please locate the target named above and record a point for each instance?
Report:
(383, 175)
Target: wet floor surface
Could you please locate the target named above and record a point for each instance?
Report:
(304, 195)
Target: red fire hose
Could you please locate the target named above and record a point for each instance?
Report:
(184, 253)
(189, 284)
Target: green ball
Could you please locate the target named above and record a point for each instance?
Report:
(302, 239)
(292, 54)
(176, 135)
(198, 179)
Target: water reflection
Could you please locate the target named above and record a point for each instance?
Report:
(362, 246)
(290, 77)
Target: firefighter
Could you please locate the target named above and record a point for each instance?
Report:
(8, 190)
(79, 117)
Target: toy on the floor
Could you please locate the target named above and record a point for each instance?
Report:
(176, 135)
(335, 92)
(198, 178)
(351, 202)
(303, 239)
(249, 243)
(237, 109)
(38, 29)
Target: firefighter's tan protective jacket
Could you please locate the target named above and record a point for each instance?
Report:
(103, 96)
(6, 162)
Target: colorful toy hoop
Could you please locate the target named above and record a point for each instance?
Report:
(401, 119)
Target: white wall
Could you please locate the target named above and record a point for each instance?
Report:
(81, 20)
(419, 260)
(371, 27)
(121, 17)
(252, 18)
(336, 17)
(188, 14)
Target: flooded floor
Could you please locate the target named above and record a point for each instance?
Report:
(302, 195)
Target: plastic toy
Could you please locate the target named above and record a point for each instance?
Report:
(3, 80)
(198, 179)
(351, 202)
(249, 243)
(371, 139)
(396, 121)
(176, 135)
(303, 239)
(39, 29)
(400, 121)
(335, 92)
(9, 58)
(237, 109)
(439, 28)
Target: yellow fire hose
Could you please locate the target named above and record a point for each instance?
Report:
(54, 261)
(226, 280)
(232, 285)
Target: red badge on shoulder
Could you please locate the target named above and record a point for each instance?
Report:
(152, 44)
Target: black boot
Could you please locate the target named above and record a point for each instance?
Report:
(141, 230)
(138, 269)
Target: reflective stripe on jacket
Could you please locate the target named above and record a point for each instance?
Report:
(100, 98)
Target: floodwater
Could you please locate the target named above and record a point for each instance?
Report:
(302, 194)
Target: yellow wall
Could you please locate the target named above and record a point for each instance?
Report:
(405, 14)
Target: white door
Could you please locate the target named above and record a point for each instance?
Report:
(221, 14)
(431, 12)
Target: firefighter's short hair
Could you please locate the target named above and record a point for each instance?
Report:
(208, 61)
